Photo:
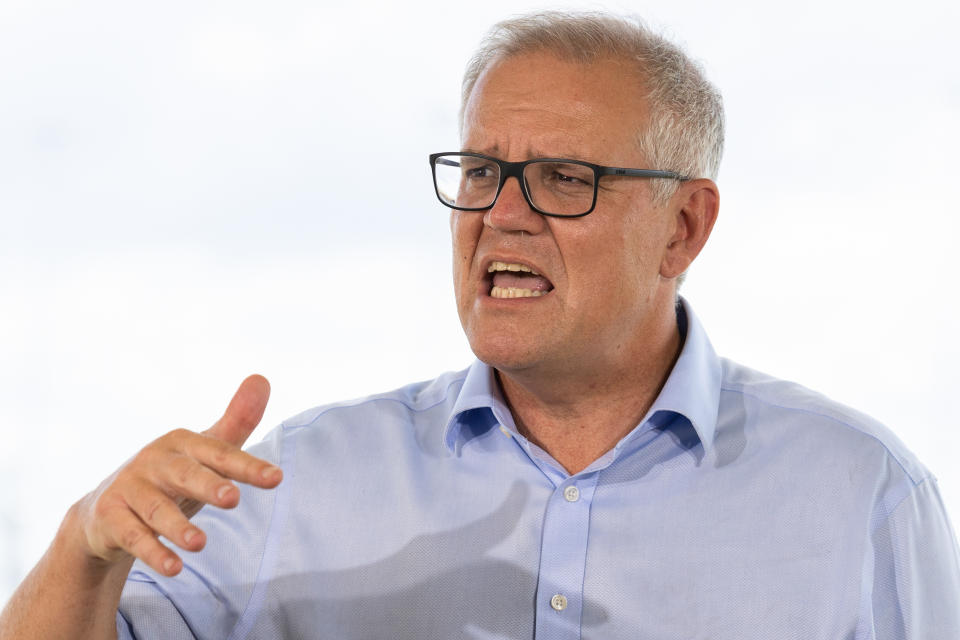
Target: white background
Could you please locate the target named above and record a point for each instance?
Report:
(191, 192)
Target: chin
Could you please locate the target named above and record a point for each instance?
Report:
(502, 354)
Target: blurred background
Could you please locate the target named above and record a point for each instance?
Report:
(186, 198)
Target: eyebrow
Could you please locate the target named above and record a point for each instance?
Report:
(487, 151)
(495, 151)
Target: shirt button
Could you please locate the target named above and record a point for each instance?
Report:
(571, 493)
(558, 602)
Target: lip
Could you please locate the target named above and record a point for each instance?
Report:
(486, 279)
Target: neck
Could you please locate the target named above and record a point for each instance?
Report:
(578, 417)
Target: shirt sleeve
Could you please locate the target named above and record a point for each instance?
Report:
(154, 613)
(213, 591)
(916, 573)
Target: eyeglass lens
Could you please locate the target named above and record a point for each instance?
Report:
(559, 188)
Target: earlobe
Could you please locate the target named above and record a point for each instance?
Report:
(695, 207)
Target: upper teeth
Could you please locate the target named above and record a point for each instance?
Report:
(496, 265)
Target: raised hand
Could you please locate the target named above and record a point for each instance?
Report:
(159, 489)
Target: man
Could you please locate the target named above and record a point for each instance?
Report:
(599, 472)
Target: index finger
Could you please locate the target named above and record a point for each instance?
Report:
(230, 462)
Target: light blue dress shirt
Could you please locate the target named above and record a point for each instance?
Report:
(741, 507)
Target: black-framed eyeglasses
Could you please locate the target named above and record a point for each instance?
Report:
(552, 186)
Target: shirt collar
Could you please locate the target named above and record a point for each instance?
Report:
(692, 391)
(693, 388)
(480, 404)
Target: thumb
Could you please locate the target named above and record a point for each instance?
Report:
(244, 412)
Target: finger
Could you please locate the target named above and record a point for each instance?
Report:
(163, 516)
(243, 413)
(228, 461)
(126, 531)
(187, 478)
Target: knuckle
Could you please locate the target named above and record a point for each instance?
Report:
(189, 478)
(131, 537)
(172, 439)
(150, 456)
(101, 510)
(144, 457)
(152, 509)
(221, 454)
(184, 473)
(179, 434)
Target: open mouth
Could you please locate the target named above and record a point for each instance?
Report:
(514, 280)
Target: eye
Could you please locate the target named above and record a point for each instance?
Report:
(568, 175)
(562, 177)
(476, 171)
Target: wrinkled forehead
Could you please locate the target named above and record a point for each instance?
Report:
(537, 104)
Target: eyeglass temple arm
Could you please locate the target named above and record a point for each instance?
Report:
(642, 173)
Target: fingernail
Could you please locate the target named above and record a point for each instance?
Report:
(270, 472)
(223, 491)
(189, 535)
(168, 564)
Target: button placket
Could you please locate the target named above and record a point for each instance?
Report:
(563, 555)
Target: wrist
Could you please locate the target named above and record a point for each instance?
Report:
(72, 544)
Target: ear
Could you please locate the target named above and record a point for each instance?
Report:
(694, 210)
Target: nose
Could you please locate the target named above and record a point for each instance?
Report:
(512, 212)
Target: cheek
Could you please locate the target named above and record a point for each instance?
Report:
(464, 233)
(644, 244)
(597, 258)
(614, 270)
(457, 237)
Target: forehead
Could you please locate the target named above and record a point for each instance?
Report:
(537, 105)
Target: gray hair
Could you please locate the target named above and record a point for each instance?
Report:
(685, 132)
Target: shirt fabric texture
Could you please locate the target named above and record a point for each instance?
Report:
(741, 507)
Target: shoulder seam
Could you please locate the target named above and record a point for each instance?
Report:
(286, 427)
(893, 508)
(913, 480)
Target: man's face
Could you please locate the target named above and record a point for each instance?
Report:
(602, 271)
